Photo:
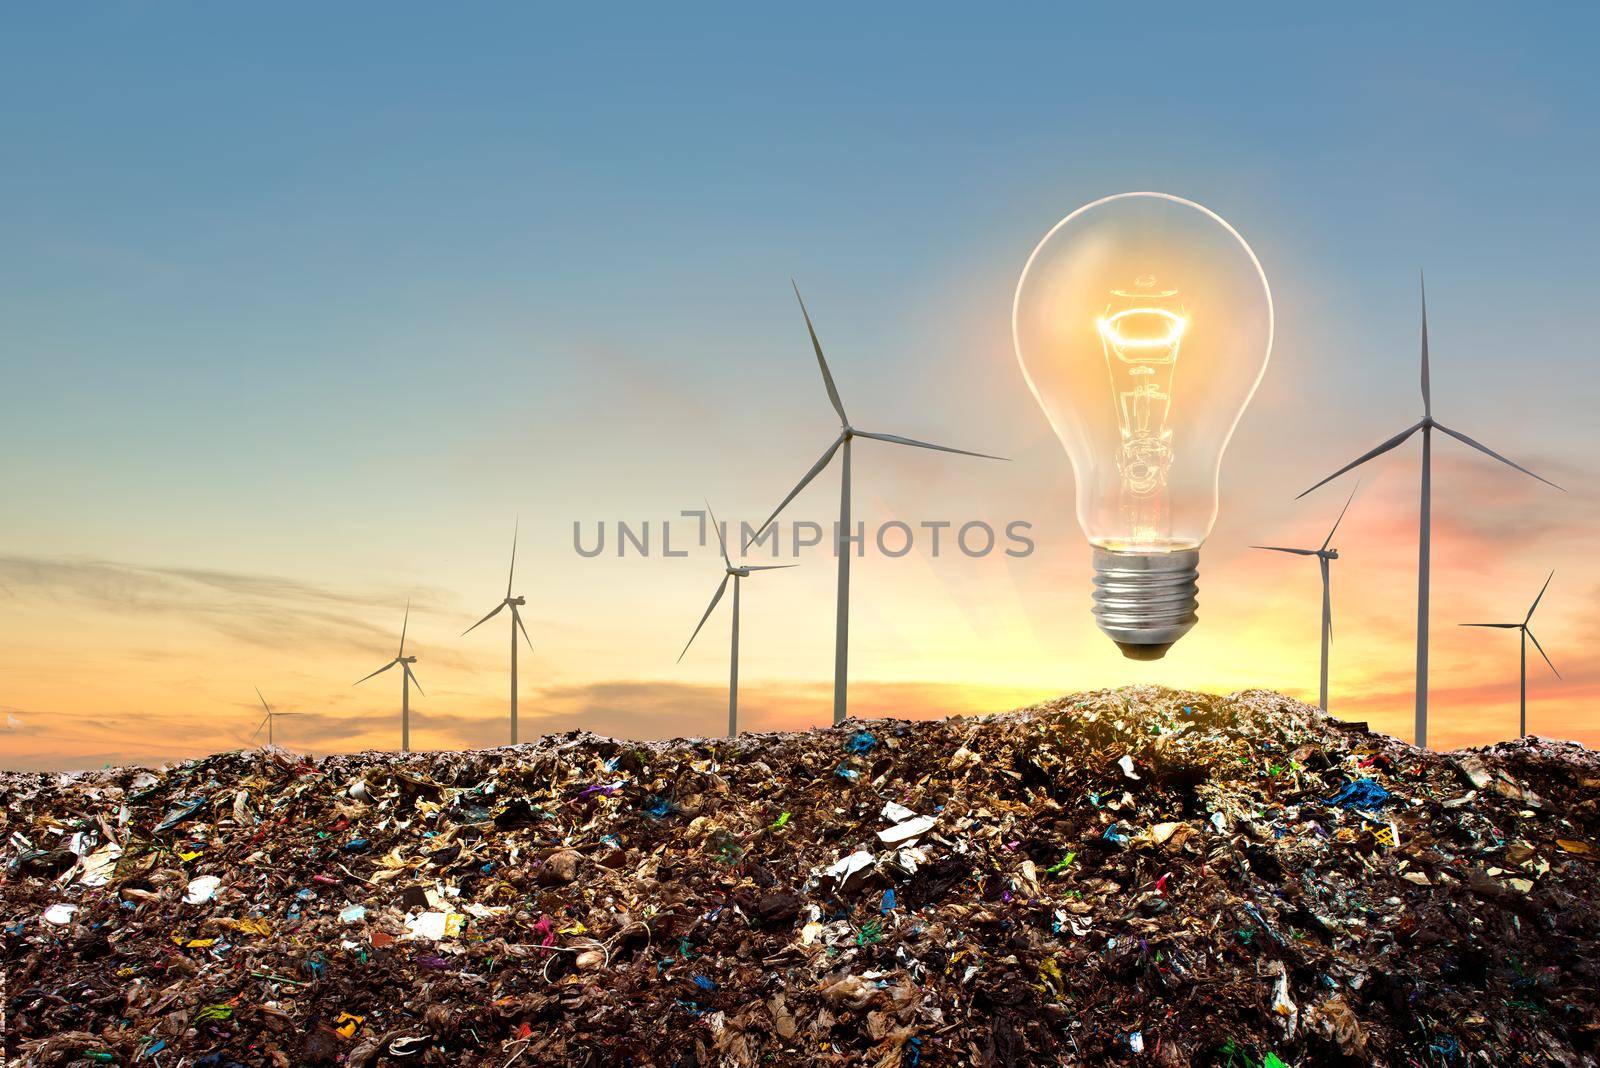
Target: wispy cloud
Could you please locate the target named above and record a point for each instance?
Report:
(266, 610)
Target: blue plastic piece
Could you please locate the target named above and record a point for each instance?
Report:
(1365, 794)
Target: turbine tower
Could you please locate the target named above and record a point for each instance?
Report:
(1324, 555)
(512, 603)
(1427, 425)
(405, 683)
(1527, 634)
(736, 574)
(266, 721)
(842, 539)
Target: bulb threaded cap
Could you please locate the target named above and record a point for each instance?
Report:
(1145, 602)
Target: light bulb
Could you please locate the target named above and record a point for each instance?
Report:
(1143, 323)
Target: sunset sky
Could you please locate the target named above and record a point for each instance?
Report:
(302, 307)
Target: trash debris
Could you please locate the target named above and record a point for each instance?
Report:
(60, 915)
(1361, 793)
(861, 742)
(435, 925)
(1138, 876)
(99, 866)
(912, 828)
(842, 870)
(202, 889)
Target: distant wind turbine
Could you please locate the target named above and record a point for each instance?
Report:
(736, 574)
(267, 720)
(841, 444)
(1323, 555)
(516, 624)
(405, 683)
(1427, 425)
(1527, 634)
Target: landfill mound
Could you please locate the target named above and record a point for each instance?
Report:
(1133, 876)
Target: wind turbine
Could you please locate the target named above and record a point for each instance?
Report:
(1527, 633)
(1324, 555)
(405, 683)
(841, 445)
(516, 624)
(266, 721)
(1427, 425)
(736, 574)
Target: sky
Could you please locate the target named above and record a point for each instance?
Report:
(304, 307)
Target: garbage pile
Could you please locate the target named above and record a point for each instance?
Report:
(1140, 876)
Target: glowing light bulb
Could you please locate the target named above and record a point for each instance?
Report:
(1143, 323)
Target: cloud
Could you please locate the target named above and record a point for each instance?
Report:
(265, 610)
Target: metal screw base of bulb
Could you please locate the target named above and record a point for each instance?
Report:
(1145, 602)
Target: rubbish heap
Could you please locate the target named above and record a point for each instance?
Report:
(1140, 876)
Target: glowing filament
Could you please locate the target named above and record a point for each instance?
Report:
(1141, 348)
(1112, 333)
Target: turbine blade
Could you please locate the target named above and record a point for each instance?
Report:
(715, 597)
(380, 671)
(1536, 600)
(414, 681)
(816, 468)
(1542, 653)
(1497, 626)
(511, 575)
(721, 541)
(1281, 549)
(1490, 452)
(827, 376)
(257, 732)
(1368, 455)
(1327, 541)
(403, 625)
(768, 567)
(485, 619)
(269, 707)
(896, 439)
(517, 618)
(1427, 389)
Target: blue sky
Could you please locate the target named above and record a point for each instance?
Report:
(316, 290)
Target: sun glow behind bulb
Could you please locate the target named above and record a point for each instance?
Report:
(1143, 323)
